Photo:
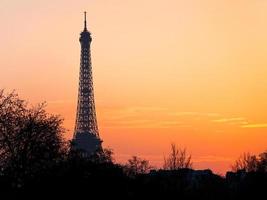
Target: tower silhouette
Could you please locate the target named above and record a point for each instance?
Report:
(86, 135)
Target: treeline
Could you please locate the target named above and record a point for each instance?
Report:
(36, 162)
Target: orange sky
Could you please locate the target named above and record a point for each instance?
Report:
(192, 72)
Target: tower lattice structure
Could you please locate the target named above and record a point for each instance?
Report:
(86, 134)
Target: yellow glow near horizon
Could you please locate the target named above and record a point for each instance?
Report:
(191, 72)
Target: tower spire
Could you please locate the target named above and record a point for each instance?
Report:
(85, 25)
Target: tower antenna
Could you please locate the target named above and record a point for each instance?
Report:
(85, 25)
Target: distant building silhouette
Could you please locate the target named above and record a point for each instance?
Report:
(86, 135)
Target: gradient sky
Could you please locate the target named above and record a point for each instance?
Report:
(192, 72)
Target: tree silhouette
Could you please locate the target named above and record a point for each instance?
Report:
(247, 162)
(251, 163)
(30, 139)
(136, 166)
(262, 165)
(177, 159)
(36, 161)
(102, 156)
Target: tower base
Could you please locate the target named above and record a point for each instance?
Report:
(87, 143)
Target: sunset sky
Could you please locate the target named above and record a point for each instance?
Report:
(190, 72)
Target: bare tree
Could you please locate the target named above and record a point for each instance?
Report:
(247, 162)
(137, 165)
(177, 159)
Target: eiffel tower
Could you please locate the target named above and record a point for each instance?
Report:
(86, 135)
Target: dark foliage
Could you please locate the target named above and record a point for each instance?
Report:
(137, 166)
(247, 185)
(36, 163)
(251, 163)
(30, 139)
